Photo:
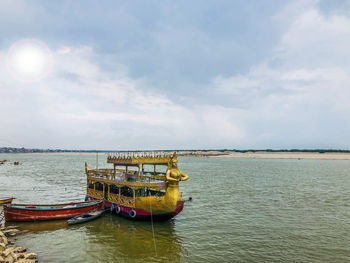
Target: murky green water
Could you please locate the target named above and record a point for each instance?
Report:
(243, 210)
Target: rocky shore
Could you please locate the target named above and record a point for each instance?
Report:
(10, 253)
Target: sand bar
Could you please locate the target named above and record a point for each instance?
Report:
(270, 155)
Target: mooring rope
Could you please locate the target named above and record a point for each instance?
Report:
(2, 215)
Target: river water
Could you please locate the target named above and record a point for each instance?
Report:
(243, 210)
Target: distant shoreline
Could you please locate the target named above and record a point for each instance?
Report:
(228, 154)
(271, 155)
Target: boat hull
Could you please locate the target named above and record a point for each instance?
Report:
(18, 212)
(139, 214)
(83, 218)
(6, 200)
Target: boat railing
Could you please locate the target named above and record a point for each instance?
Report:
(122, 200)
(95, 193)
(122, 176)
(108, 173)
(127, 201)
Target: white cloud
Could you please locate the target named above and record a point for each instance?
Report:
(304, 86)
(79, 105)
(296, 97)
(234, 84)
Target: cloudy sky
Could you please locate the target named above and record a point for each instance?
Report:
(175, 74)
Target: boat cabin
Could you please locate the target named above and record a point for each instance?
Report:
(137, 181)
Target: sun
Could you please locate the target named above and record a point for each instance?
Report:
(29, 60)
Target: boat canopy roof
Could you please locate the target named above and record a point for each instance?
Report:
(140, 158)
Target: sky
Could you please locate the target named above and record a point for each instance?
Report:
(137, 75)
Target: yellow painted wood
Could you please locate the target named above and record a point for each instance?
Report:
(168, 183)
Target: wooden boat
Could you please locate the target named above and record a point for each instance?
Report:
(85, 217)
(140, 186)
(34, 212)
(6, 200)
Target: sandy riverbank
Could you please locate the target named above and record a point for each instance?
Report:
(270, 155)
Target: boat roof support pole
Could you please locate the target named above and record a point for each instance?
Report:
(139, 172)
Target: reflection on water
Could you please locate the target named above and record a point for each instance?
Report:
(39, 225)
(105, 239)
(120, 238)
(60, 178)
(243, 210)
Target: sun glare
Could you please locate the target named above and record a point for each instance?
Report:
(29, 60)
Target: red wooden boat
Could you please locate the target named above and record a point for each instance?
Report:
(34, 212)
(6, 200)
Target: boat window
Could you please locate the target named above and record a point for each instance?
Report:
(91, 186)
(148, 169)
(99, 186)
(131, 179)
(140, 192)
(113, 189)
(151, 192)
(148, 192)
(132, 171)
(126, 191)
(122, 168)
(161, 168)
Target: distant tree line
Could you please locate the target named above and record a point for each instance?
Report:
(270, 150)
(296, 150)
(25, 150)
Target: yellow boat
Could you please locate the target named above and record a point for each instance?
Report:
(6, 200)
(140, 186)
